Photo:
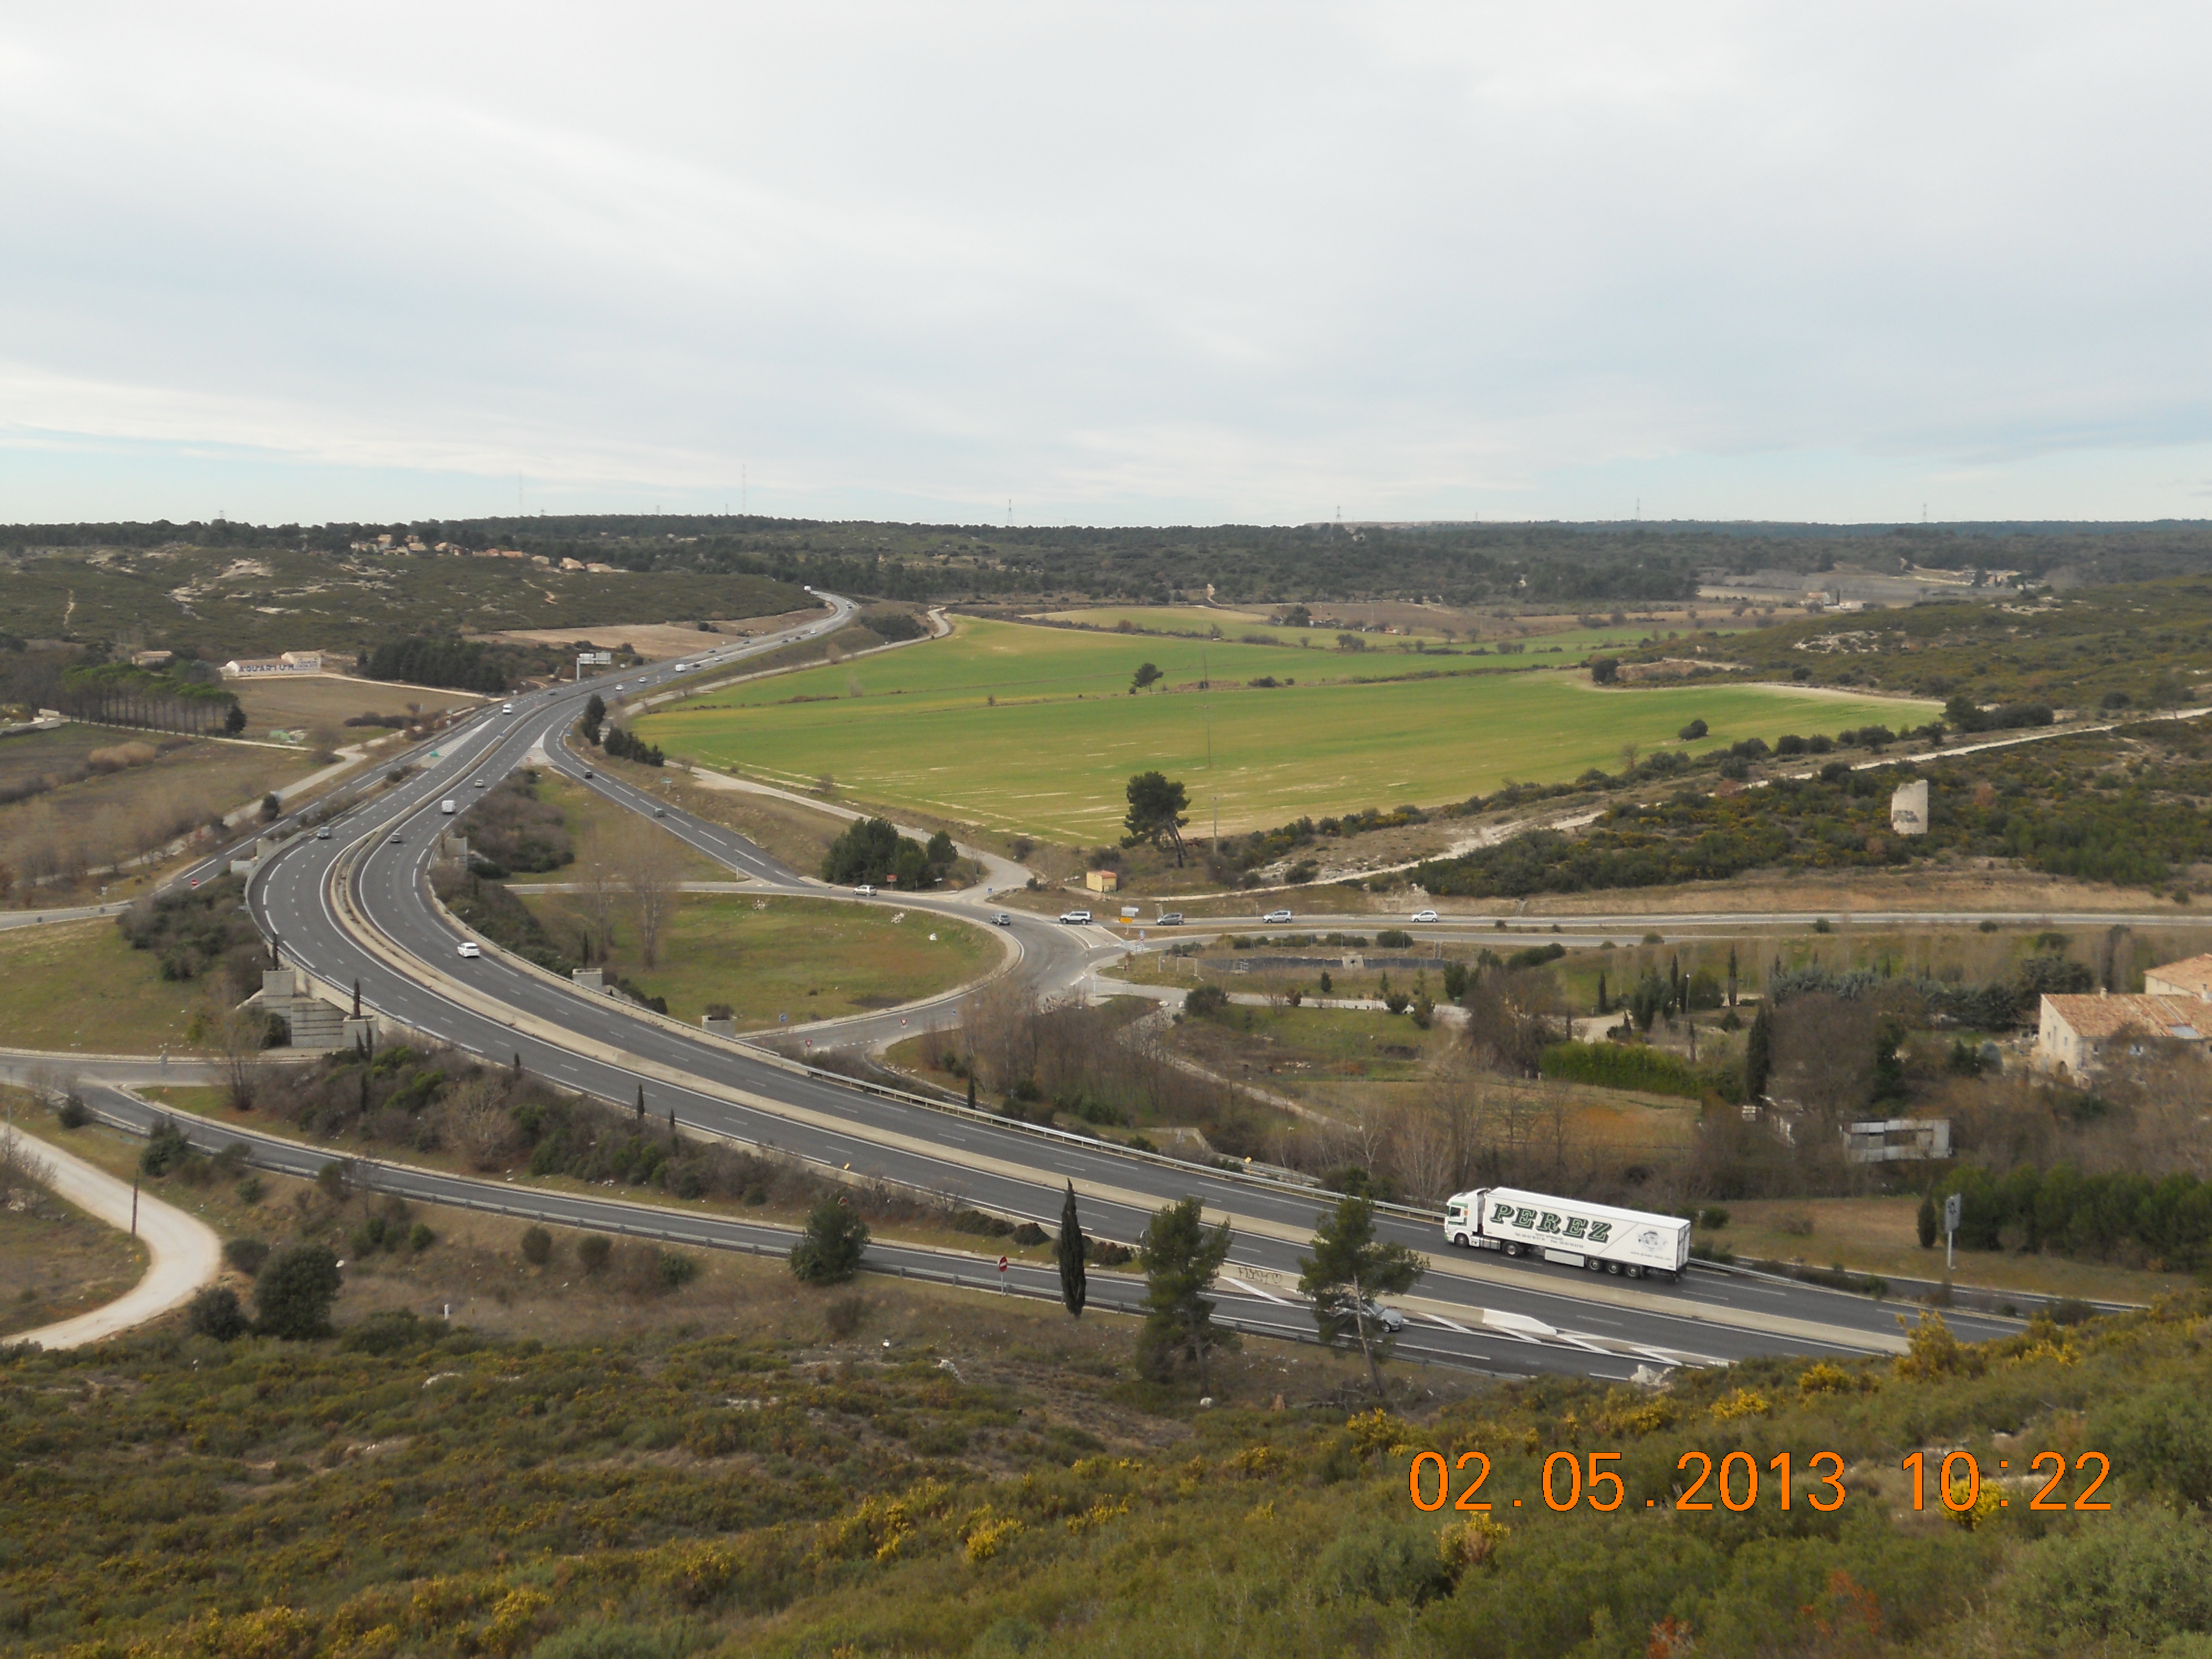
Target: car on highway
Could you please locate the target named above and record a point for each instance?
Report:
(661, 812)
(1278, 916)
(1002, 920)
(482, 783)
(589, 773)
(397, 838)
(865, 891)
(1168, 918)
(506, 709)
(1426, 916)
(1075, 918)
(470, 948)
(1388, 1318)
(322, 833)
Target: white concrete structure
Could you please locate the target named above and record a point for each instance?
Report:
(1908, 808)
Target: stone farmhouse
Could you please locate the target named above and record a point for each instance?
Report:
(2074, 1035)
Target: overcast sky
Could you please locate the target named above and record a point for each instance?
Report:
(1113, 264)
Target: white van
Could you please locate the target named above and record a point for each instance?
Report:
(449, 807)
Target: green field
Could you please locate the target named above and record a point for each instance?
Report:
(79, 985)
(920, 727)
(806, 958)
(1196, 620)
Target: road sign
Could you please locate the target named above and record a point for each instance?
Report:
(602, 658)
(1951, 1207)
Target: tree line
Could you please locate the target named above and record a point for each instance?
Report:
(118, 694)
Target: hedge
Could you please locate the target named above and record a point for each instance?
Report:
(1623, 1065)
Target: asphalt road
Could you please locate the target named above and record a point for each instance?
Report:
(500, 1009)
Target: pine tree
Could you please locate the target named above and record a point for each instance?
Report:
(1759, 1053)
(1348, 1268)
(1180, 1255)
(1074, 1288)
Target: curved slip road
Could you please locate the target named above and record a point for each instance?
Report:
(373, 921)
(184, 1253)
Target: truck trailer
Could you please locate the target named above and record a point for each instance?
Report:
(1567, 1230)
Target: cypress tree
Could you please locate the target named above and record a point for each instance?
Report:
(1074, 1290)
(641, 1102)
(1731, 1002)
(971, 1089)
(1602, 1006)
(1759, 1053)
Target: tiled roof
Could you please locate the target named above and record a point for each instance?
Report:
(2192, 976)
(2098, 1018)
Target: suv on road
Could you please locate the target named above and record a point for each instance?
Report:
(1278, 916)
(1075, 918)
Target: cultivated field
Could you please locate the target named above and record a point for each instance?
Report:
(657, 641)
(49, 840)
(807, 959)
(327, 700)
(1032, 730)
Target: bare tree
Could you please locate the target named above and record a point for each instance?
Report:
(998, 1029)
(474, 1120)
(601, 881)
(22, 1168)
(236, 1037)
(651, 877)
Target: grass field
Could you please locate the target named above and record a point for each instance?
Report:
(1029, 730)
(55, 1262)
(807, 959)
(1878, 1235)
(77, 985)
(596, 824)
(1234, 625)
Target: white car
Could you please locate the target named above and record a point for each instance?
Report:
(1278, 916)
(1075, 918)
(865, 891)
(1426, 915)
(1002, 920)
(470, 948)
(322, 833)
(506, 709)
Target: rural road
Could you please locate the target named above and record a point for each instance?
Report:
(186, 1253)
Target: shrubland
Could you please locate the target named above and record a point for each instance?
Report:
(411, 1487)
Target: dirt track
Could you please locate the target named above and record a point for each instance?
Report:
(186, 1252)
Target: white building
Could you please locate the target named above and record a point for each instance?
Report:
(2190, 979)
(292, 662)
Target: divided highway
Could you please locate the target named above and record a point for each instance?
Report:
(356, 907)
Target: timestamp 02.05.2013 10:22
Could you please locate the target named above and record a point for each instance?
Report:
(1582, 1481)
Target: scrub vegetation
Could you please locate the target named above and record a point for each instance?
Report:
(414, 1486)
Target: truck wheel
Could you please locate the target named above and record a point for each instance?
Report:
(1594, 1265)
(1614, 1268)
(1635, 1272)
(1460, 1239)
(1516, 1249)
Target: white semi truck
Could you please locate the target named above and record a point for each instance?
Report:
(1568, 1231)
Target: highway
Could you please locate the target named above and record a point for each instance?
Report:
(356, 907)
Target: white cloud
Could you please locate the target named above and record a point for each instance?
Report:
(1119, 263)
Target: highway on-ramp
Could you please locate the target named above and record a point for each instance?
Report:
(356, 907)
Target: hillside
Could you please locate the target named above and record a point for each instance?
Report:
(410, 1488)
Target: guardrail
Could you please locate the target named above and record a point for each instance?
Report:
(341, 874)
